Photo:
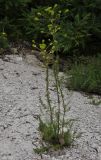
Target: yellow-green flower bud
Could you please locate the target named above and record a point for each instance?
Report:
(33, 45)
(42, 46)
(33, 41)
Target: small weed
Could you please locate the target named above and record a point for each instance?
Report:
(50, 134)
(41, 150)
(96, 102)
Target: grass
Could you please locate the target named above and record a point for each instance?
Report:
(86, 76)
(51, 135)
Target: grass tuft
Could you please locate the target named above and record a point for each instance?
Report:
(86, 77)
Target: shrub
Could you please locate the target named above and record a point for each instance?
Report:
(79, 24)
(86, 77)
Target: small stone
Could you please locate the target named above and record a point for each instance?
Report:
(32, 88)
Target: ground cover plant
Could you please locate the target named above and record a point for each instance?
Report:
(86, 77)
(96, 102)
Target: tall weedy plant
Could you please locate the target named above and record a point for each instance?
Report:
(57, 130)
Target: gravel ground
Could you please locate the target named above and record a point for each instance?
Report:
(20, 84)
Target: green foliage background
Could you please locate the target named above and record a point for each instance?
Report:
(80, 26)
(86, 77)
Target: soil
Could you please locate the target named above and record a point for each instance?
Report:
(22, 80)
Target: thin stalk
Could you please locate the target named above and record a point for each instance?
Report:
(48, 94)
(61, 95)
(64, 108)
(57, 91)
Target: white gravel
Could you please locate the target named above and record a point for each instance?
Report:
(20, 84)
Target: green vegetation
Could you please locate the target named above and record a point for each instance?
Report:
(79, 25)
(78, 21)
(60, 28)
(96, 102)
(3, 42)
(55, 128)
(86, 77)
(78, 32)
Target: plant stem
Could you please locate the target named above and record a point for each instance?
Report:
(64, 108)
(48, 94)
(55, 70)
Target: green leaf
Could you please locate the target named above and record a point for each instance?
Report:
(42, 46)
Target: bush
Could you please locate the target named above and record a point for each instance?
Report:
(86, 77)
(79, 23)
